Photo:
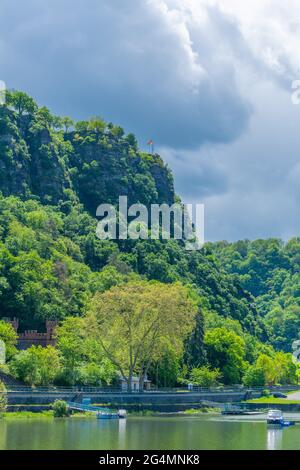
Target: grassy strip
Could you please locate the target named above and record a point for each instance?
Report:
(27, 415)
(42, 415)
(200, 411)
(274, 401)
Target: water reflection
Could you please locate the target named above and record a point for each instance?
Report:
(145, 433)
(122, 433)
(274, 438)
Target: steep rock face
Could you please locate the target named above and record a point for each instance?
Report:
(30, 163)
(106, 169)
(48, 173)
(14, 157)
(43, 163)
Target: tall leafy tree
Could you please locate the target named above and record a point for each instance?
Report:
(226, 352)
(133, 322)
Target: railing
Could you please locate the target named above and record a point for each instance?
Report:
(110, 390)
(58, 389)
(90, 408)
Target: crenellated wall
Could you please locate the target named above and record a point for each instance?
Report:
(33, 337)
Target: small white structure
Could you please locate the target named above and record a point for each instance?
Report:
(135, 384)
(2, 352)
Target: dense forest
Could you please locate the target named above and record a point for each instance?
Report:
(53, 175)
(270, 271)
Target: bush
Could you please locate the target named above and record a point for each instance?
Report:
(9, 337)
(254, 377)
(60, 409)
(204, 376)
(36, 365)
(3, 398)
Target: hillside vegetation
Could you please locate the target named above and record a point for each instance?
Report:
(53, 175)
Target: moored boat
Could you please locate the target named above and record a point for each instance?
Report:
(275, 418)
(104, 415)
(112, 415)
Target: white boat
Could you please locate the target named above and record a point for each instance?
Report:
(111, 415)
(122, 413)
(275, 417)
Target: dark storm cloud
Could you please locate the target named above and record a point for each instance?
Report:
(206, 79)
(131, 62)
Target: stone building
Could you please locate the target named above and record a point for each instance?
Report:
(33, 337)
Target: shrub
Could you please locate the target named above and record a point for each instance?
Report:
(36, 365)
(204, 376)
(254, 377)
(3, 398)
(60, 409)
(9, 336)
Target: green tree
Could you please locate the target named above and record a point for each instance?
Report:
(45, 118)
(36, 365)
(67, 123)
(71, 343)
(254, 377)
(21, 102)
(95, 374)
(97, 125)
(3, 398)
(60, 409)
(226, 352)
(131, 139)
(205, 376)
(9, 337)
(266, 364)
(166, 370)
(132, 323)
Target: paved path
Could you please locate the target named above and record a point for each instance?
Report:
(294, 396)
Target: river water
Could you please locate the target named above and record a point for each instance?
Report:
(145, 433)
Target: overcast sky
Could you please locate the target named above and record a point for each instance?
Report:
(208, 80)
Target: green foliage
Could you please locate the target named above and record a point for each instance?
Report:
(20, 102)
(71, 345)
(204, 376)
(82, 361)
(132, 323)
(36, 365)
(3, 398)
(98, 374)
(271, 370)
(60, 409)
(270, 271)
(254, 377)
(53, 175)
(166, 370)
(9, 337)
(226, 352)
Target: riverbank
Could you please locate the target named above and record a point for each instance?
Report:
(49, 414)
(154, 401)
